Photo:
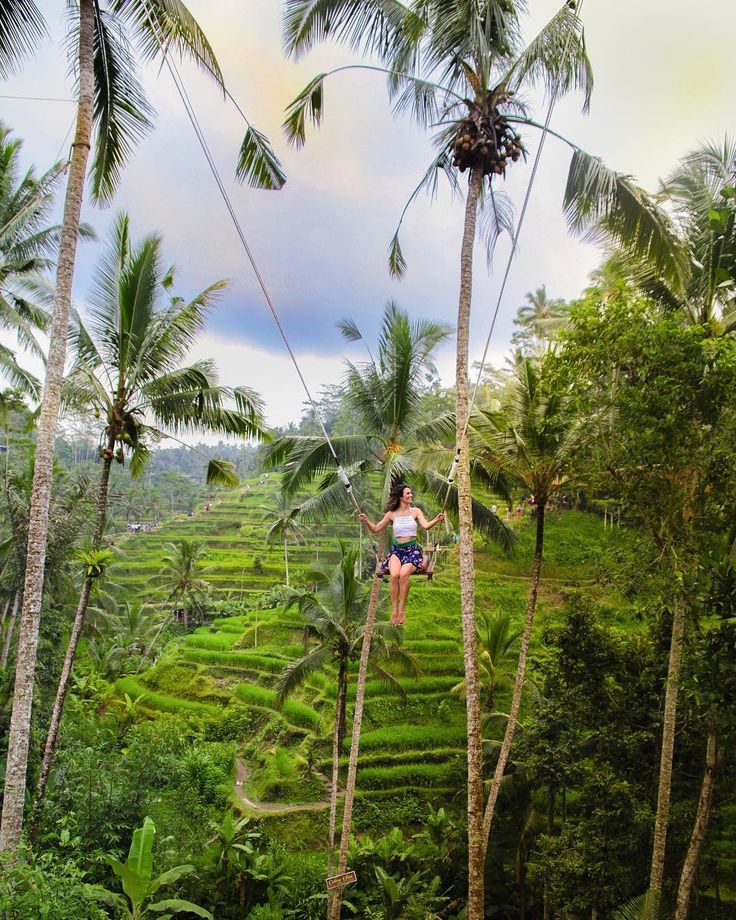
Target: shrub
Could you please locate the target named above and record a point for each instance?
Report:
(43, 886)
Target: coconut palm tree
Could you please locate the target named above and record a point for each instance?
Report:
(111, 105)
(27, 242)
(284, 525)
(700, 193)
(128, 370)
(459, 66)
(540, 320)
(393, 444)
(531, 443)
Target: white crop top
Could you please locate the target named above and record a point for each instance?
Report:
(405, 525)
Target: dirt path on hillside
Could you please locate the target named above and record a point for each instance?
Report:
(274, 808)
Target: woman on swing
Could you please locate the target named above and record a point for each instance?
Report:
(405, 556)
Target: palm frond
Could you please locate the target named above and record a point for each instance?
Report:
(222, 473)
(428, 183)
(610, 207)
(485, 521)
(557, 58)
(307, 105)
(495, 216)
(296, 672)
(22, 27)
(305, 458)
(122, 114)
(376, 26)
(258, 165)
(18, 377)
(162, 26)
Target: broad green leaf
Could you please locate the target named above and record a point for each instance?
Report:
(168, 878)
(140, 859)
(176, 906)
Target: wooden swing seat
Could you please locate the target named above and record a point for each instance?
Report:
(429, 559)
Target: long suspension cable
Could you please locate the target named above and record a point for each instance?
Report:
(192, 115)
(514, 248)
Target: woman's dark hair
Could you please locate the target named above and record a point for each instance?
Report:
(394, 496)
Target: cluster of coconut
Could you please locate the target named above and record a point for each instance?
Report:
(488, 144)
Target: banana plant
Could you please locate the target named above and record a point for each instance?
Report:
(139, 887)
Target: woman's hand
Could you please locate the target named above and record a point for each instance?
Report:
(440, 516)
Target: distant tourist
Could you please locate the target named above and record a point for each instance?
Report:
(405, 556)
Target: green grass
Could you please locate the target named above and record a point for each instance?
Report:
(294, 711)
(236, 659)
(159, 701)
(410, 737)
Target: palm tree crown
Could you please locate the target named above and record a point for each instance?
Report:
(27, 243)
(128, 359)
(385, 394)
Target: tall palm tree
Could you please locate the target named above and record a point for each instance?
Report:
(284, 525)
(27, 242)
(540, 319)
(460, 65)
(128, 370)
(530, 443)
(334, 613)
(111, 104)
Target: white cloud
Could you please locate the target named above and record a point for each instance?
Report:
(272, 375)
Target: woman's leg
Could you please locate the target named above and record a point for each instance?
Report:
(407, 569)
(394, 567)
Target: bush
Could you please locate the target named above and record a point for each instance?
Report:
(45, 887)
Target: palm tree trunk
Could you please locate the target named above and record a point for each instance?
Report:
(520, 674)
(700, 827)
(341, 694)
(71, 649)
(333, 909)
(286, 562)
(467, 565)
(669, 724)
(9, 633)
(20, 720)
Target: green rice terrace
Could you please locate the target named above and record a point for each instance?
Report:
(413, 742)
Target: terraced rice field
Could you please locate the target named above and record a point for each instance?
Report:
(413, 746)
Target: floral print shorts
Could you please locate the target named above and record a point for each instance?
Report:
(407, 552)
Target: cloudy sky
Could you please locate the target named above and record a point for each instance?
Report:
(664, 71)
